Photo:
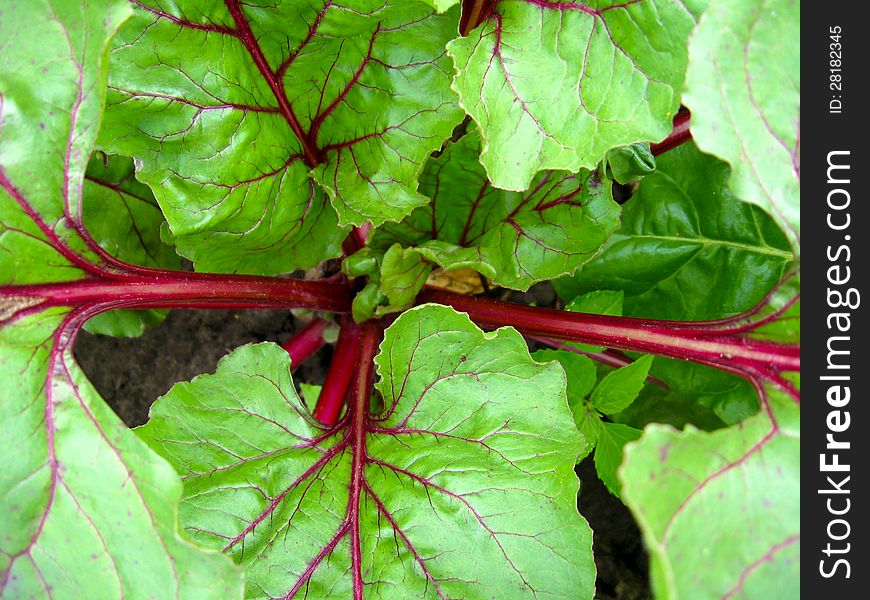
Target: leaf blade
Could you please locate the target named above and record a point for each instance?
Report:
(715, 485)
(295, 100)
(60, 534)
(410, 503)
(688, 249)
(746, 109)
(515, 239)
(538, 79)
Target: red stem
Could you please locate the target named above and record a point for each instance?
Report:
(356, 239)
(170, 289)
(340, 374)
(474, 12)
(679, 135)
(305, 342)
(666, 338)
(367, 346)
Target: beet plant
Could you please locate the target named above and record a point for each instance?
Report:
(424, 156)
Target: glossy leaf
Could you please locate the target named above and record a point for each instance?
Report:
(730, 498)
(86, 509)
(687, 248)
(692, 394)
(743, 88)
(242, 115)
(459, 471)
(123, 217)
(555, 85)
(515, 239)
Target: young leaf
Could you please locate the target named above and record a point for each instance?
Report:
(395, 278)
(630, 163)
(621, 386)
(743, 88)
(123, 217)
(86, 509)
(608, 452)
(470, 464)
(515, 239)
(730, 498)
(687, 249)
(579, 369)
(232, 109)
(555, 85)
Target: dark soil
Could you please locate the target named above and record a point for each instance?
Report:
(131, 373)
(621, 559)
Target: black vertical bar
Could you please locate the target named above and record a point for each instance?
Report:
(835, 265)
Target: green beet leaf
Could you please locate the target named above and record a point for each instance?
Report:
(242, 116)
(743, 88)
(616, 391)
(515, 239)
(86, 509)
(720, 511)
(729, 497)
(687, 248)
(581, 373)
(463, 487)
(555, 85)
(709, 398)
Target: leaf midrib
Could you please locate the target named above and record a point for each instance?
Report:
(705, 241)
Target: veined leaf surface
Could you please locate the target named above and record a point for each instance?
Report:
(125, 220)
(462, 488)
(515, 239)
(555, 85)
(687, 247)
(242, 114)
(743, 86)
(86, 509)
(729, 498)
